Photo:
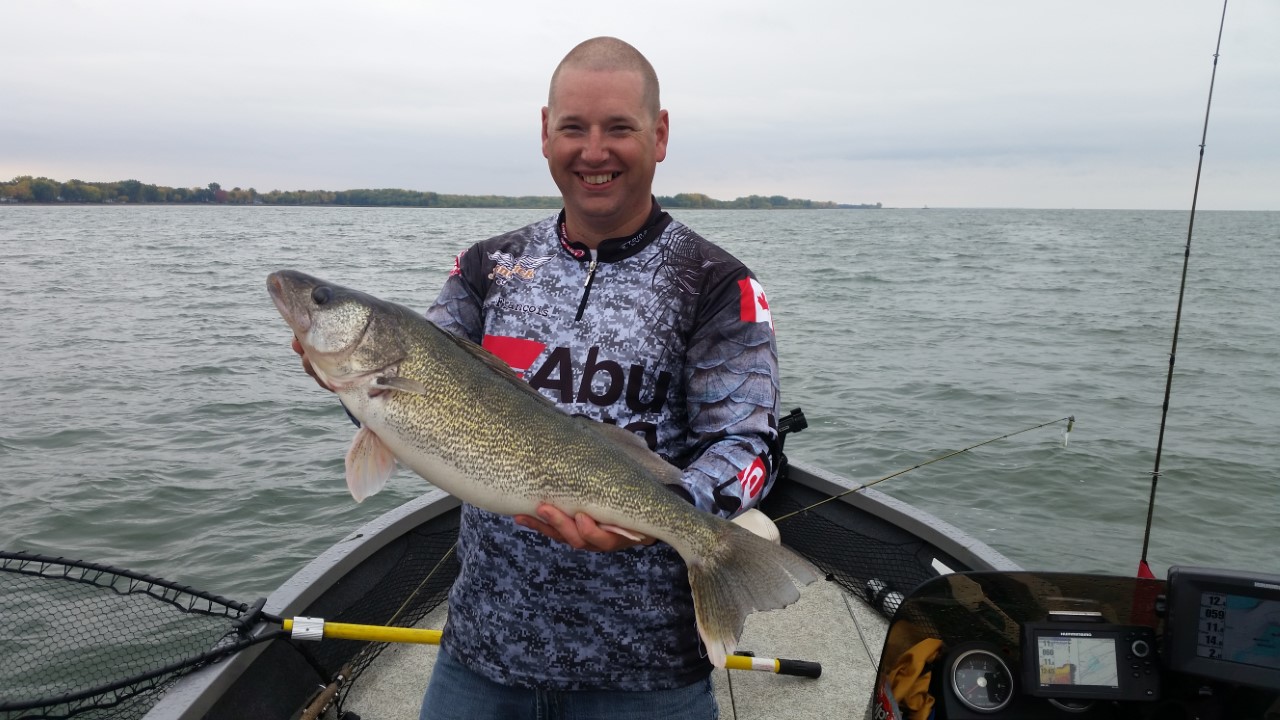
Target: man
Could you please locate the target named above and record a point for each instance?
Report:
(617, 312)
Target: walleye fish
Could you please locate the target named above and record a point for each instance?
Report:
(460, 417)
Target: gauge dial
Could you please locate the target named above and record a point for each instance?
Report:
(981, 680)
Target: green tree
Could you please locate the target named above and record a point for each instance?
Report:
(131, 190)
(44, 190)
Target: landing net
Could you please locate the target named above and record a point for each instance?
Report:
(92, 641)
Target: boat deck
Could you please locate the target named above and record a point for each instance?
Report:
(863, 539)
(826, 626)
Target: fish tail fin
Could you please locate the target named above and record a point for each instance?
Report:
(743, 572)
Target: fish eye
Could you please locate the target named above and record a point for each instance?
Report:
(321, 295)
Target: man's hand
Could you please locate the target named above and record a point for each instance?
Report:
(306, 364)
(579, 531)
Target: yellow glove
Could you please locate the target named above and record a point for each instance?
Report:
(909, 680)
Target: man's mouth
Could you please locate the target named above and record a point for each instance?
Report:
(598, 179)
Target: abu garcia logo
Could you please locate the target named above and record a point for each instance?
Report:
(592, 380)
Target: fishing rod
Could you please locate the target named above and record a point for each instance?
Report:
(1070, 420)
(95, 636)
(312, 628)
(1144, 569)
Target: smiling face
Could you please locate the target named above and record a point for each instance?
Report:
(603, 142)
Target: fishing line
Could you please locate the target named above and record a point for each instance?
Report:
(1070, 419)
(1144, 570)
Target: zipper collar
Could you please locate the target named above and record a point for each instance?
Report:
(586, 285)
(614, 249)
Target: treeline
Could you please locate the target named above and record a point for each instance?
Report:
(27, 189)
(751, 202)
(44, 190)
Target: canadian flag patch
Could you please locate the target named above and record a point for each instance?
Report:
(755, 306)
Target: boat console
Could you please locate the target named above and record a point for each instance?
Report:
(1202, 644)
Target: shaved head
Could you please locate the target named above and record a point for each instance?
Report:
(609, 54)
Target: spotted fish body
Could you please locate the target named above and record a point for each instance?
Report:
(459, 417)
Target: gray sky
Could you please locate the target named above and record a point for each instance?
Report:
(986, 103)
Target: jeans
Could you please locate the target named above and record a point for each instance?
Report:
(456, 693)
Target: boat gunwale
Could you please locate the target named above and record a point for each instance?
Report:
(924, 525)
(194, 695)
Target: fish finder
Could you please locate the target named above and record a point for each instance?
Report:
(1224, 625)
(1089, 661)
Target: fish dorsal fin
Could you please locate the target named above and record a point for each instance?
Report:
(495, 363)
(626, 441)
(637, 449)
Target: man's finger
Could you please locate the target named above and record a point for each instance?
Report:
(565, 526)
(535, 524)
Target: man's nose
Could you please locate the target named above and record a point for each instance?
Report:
(596, 149)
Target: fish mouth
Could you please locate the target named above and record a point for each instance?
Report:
(300, 318)
(299, 321)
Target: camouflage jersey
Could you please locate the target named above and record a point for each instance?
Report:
(662, 333)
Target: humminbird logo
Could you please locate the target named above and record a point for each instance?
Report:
(1076, 634)
(507, 266)
(1266, 586)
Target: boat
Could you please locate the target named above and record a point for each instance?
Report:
(915, 619)
(397, 570)
(913, 611)
(911, 607)
(906, 593)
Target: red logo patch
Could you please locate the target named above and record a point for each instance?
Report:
(519, 353)
(752, 478)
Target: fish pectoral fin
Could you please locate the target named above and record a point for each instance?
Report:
(369, 464)
(402, 384)
(628, 534)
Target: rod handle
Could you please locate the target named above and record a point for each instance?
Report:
(800, 668)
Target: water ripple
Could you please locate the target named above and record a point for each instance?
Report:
(156, 418)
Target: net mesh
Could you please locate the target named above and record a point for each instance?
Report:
(414, 585)
(877, 562)
(91, 641)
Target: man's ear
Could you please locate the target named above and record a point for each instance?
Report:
(545, 116)
(663, 130)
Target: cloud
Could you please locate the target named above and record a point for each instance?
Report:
(1049, 104)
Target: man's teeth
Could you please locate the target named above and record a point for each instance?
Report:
(597, 179)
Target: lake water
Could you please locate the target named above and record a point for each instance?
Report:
(152, 415)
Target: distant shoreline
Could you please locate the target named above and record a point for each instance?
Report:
(62, 203)
(25, 189)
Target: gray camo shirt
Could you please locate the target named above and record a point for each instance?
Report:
(665, 334)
